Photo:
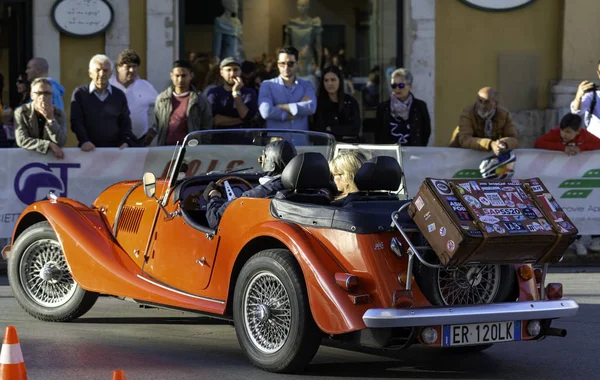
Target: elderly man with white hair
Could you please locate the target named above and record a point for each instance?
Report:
(99, 111)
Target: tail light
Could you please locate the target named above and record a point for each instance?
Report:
(402, 299)
(403, 278)
(429, 335)
(554, 291)
(534, 328)
(526, 272)
(347, 282)
(538, 272)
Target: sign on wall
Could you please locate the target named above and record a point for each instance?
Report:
(82, 18)
(497, 5)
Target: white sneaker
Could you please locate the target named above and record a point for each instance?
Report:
(580, 249)
(595, 247)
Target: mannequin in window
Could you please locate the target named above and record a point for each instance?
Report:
(304, 33)
(227, 32)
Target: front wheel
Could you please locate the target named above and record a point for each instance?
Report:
(40, 279)
(273, 322)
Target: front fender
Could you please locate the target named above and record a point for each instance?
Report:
(332, 308)
(98, 263)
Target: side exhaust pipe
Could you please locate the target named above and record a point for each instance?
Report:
(552, 331)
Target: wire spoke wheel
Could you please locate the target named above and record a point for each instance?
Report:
(44, 274)
(267, 312)
(469, 285)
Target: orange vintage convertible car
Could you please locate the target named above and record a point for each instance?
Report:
(290, 272)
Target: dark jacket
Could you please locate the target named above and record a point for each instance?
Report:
(418, 119)
(217, 205)
(344, 125)
(103, 123)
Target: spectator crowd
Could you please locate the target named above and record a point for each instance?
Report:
(117, 108)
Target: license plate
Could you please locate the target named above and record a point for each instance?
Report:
(481, 333)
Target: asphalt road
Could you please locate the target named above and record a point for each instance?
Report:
(157, 344)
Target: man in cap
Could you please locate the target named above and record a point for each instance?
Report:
(233, 105)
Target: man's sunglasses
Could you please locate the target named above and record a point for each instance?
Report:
(288, 64)
(43, 93)
(398, 85)
(20, 81)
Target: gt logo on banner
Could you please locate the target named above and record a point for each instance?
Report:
(34, 180)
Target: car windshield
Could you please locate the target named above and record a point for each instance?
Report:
(238, 150)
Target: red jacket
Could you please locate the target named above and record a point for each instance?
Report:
(552, 141)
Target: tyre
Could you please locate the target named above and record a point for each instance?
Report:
(466, 285)
(272, 316)
(40, 279)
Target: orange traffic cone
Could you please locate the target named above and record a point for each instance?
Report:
(12, 366)
(118, 374)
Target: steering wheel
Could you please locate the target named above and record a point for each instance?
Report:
(228, 191)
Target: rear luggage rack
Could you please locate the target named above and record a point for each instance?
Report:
(413, 251)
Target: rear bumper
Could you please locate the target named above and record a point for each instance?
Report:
(432, 316)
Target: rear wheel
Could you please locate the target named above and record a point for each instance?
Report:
(40, 278)
(467, 285)
(273, 321)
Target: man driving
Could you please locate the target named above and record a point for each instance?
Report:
(273, 160)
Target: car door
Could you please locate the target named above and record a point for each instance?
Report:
(180, 255)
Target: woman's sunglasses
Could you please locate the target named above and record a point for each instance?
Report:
(398, 85)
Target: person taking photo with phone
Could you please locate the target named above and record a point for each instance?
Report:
(585, 104)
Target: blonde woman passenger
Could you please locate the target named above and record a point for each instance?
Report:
(343, 168)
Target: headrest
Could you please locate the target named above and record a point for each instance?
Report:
(379, 173)
(308, 170)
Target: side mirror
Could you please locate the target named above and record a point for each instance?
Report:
(149, 181)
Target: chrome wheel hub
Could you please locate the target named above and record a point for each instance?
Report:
(263, 313)
(51, 273)
(267, 312)
(474, 277)
(469, 285)
(44, 274)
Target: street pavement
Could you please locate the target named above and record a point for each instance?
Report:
(158, 344)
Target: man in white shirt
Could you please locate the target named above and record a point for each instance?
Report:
(586, 102)
(140, 94)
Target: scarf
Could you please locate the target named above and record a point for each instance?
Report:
(487, 117)
(400, 109)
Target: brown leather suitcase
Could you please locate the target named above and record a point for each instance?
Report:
(491, 221)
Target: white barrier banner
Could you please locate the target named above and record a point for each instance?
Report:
(28, 176)
(573, 180)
